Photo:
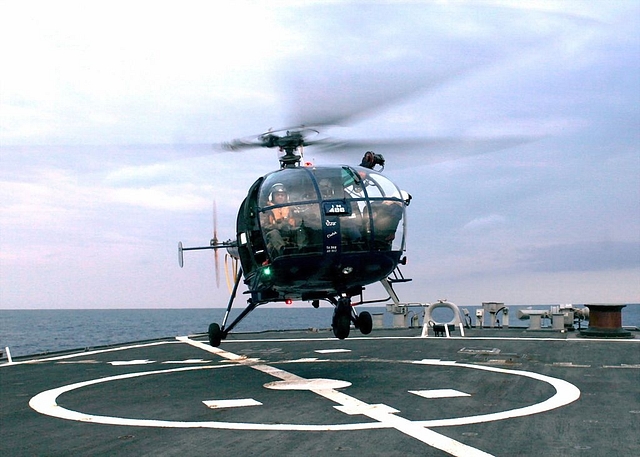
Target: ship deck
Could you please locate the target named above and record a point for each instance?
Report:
(494, 392)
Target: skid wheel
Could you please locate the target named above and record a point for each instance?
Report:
(365, 322)
(215, 335)
(341, 326)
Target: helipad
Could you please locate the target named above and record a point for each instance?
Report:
(299, 393)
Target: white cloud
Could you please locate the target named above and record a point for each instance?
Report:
(184, 77)
(485, 222)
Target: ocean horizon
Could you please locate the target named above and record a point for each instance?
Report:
(41, 331)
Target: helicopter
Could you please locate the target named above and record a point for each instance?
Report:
(313, 233)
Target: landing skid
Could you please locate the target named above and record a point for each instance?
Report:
(344, 314)
(217, 333)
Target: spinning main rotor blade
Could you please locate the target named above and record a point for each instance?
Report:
(332, 93)
(422, 151)
(348, 96)
(382, 54)
(414, 151)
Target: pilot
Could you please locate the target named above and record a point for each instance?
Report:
(326, 189)
(281, 215)
(281, 227)
(386, 217)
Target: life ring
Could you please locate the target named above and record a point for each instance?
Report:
(443, 304)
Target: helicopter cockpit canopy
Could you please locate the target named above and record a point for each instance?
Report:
(329, 210)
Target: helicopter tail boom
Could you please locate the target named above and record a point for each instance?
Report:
(230, 246)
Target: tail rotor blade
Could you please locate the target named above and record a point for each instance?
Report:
(214, 241)
(217, 267)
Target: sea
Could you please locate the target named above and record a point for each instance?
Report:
(31, 332)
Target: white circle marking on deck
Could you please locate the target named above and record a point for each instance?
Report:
(383, 415)
(45, 403)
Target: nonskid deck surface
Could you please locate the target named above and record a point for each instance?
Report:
(494, 392)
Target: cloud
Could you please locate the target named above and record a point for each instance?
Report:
(114, 115)
(485, 222)
(583, 256)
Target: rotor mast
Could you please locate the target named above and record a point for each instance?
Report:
(289, 144)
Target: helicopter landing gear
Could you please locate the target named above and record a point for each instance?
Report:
(341, 326)
(215, 335)
(342, 317)
(364, 322)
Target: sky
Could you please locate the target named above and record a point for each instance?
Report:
(514, 125)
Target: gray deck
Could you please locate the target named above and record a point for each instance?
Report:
(494, 392)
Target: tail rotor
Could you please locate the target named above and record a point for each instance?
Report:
(214, 243)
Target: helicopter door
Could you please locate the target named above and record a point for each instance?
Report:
(385, 213)
(251, 246)
(353, 225)
(289, 213)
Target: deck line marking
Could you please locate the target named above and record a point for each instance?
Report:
(308, 384)
(381, 413)
(452, 338)
(84, 354)
(294, 340)
(219, 404)
(304, 359)
(439, 393)
(186, 361)
(565, 393)
(45, 403)
(386, 415)
(117, 363)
